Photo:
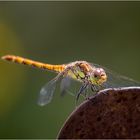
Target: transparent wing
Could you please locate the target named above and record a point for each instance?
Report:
(65, 84)
(69, 85)
(47, 91)
(116, 80)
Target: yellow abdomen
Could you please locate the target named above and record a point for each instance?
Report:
(25, 61)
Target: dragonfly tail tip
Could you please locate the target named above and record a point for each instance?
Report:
(6, 57)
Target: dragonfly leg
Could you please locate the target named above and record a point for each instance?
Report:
(102, 87)
(80, 91)
(94, 89)
(86, 95)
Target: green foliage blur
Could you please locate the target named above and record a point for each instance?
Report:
(106, 33)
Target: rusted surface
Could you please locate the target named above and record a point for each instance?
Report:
(113, 113)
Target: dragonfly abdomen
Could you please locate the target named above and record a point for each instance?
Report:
(56, 68)
(25, 61)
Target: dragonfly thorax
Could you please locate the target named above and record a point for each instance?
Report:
(84, 72)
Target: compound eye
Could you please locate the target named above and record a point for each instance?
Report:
(102, 74)
(98, 73)
(95, 75)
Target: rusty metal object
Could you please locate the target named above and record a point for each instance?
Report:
(112, 113)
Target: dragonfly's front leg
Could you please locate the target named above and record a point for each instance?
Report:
(80, 91)
(96, 89)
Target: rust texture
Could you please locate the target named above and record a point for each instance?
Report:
(112, 113)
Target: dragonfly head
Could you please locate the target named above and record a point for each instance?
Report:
(98, 76)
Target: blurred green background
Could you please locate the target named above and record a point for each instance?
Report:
(107, 33)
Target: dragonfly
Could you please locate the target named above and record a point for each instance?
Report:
(89, 75)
